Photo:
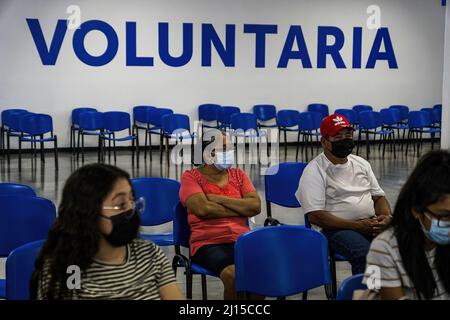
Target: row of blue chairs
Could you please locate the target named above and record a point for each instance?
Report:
(27, 127)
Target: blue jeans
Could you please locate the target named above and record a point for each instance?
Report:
(350, 244)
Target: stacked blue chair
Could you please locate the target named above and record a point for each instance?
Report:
(16, 189)
(360, 108)
(11, 120)
(4, 128)
(349, 286)
(265, 113)
(263, 268)
(156, 122)
(176, 126)
(245, 126)
(225, 116)
(19, 269)
(90, 123)
(437, 114)
(350, 114)
(181, 235)
(142, 120)
(23, 219)
(34, 128)
(287, 122)
(160, 195)
(392, 120)
(371, 122)
(76, 123)
(403, 123)
(320, 108)
(420, 122)
(209, 113)
(117, 121)
(309, 125)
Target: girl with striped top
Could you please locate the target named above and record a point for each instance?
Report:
(411, 259)
(96, 236)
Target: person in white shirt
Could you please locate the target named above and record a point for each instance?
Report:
(340, 195)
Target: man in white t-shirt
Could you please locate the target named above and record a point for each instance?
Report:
(340, 195)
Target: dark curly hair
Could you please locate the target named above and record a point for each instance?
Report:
(74, 237)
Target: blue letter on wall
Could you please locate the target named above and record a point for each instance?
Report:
(48, 55)
(323, 49)
(226, 53)
(185, 57)
(111, 47)
(295, 34)
(132, 58)
(375, 54)
(260, 31)
(357, 47)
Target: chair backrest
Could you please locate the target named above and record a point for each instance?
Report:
(19, 268)
(265, 112)
(78, 111)
(418, 119)
(370, 120)
(349, 285)
(209, 112)
(91, 121)
(24, 219)
(181, 229)
(281, 261)
(13, 120)
(287, 118)
(175, 122)
(281, 182)
(438, 106)
(319, 107)
(437, 115)
(225, 114)
(390, 116)
(310, 120)
(143, 114)
(156, 117)
(36, 124)
(362, 107)
(16, 189)
(404, 110)
(116, 121)
(6, 114)
(430, 112)
(350, 114)
(243, 121)
(160, 195)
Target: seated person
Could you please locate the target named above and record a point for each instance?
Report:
(219, 201)
(411, 259)
(97, 231)
(340, 195)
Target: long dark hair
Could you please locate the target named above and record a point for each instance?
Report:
(428, 183)
(74, 237)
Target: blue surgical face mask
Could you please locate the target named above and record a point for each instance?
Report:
(224, 160)
(437, 234)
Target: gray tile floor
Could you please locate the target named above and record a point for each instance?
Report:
(390, 172)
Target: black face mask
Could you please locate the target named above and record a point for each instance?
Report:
(125, 228)
(342, 148)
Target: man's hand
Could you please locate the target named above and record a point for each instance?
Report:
(367, 226)
(383, 223)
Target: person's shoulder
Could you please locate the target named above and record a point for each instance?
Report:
(141, 245)
(319, 163)
(190, 172)
(359, 160)
(385, 240)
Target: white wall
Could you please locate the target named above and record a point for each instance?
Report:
(445, 140)
(416, 28)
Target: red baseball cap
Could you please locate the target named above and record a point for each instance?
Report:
(332, 124)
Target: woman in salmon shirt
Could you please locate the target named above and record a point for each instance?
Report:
(219, 201)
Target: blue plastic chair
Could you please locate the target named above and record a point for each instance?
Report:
(23, 219)
(11, 120)
(371, 122)
(76, 122)
(350, 114)
(225, 115)
(287, 122)
(161, 195)
(420, 122)
(349, 285)
(176, 126)
(264, 113)
(437, 115)
(156, 126)
(320, 108)
(5, 115)
(34, 128)
(142, 120)
(117, 121)
(90, 123)
(281, 261)
(309, 125)
(280, 184)
(181, 236)
(16, 189)
(360, 108)
(404, 111)
(209, 112)
(20, 265)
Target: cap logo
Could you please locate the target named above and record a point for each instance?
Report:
(338, 121)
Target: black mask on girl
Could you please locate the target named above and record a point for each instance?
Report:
(125, 228)
(342, 148)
